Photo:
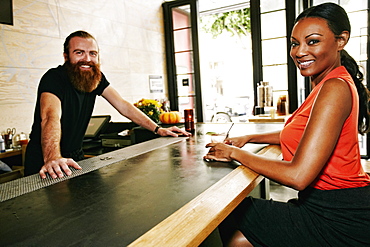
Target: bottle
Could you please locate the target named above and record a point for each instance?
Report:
(260, 95)
(19, 140)
(189, 120)
(282, 106)
(165, 105)
(267, 89)
(2, 144)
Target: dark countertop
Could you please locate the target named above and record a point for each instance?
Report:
(119, 202)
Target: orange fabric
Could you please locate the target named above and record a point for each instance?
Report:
(343, 169)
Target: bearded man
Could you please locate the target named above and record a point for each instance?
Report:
(65, 102)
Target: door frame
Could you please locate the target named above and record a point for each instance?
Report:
(170, 54)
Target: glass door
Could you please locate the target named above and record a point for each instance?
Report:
(226, 60)
(182, 55)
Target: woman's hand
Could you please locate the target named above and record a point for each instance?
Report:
(264, 138)
(239, 141)
(219, 152)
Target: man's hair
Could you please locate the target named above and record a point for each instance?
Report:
(81, 34)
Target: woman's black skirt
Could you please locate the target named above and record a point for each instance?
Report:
(317, 218)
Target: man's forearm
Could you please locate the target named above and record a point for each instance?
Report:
(137, 116)
(127, 109)
(50, 139)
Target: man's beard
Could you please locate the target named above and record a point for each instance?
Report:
(84, 80)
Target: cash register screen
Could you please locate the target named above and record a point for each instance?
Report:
(95, 126)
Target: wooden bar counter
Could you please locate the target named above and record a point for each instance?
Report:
(156, 193)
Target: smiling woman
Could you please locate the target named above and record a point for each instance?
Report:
(332, 115)
(315, 49)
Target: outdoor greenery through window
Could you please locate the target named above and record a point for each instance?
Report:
(236, 22)
(226, 65)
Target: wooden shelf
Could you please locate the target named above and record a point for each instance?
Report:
(16, 163)
(10, 153)
(268, 119)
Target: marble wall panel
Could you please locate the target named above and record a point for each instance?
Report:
(140, 65)
(105, 31)
(113, 10)
(36, 17)
(18, 86)
(111, 33)
(145, 62)
(142, 81)
(155, 41)
(29, 50)
(148, 17)
(130, 85)
(142, 39)
(114, 58)
(18, 89)
(17, 116)
(133, 86)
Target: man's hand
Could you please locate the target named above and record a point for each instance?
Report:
(55, 168)
(172, 131)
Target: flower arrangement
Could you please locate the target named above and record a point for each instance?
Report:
(151, 108)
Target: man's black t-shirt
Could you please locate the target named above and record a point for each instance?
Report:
(77, 108)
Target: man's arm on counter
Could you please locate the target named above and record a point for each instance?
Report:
(54, 163)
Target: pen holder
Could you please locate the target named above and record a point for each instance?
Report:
(189, 120)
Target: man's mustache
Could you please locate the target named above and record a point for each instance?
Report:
(86, 63)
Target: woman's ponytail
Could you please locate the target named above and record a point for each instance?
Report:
(364, 105)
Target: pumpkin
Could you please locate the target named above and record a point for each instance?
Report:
(171, 117)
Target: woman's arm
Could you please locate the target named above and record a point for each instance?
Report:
(329, 112)
(268, 138)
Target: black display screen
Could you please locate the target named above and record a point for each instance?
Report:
(6, 12)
